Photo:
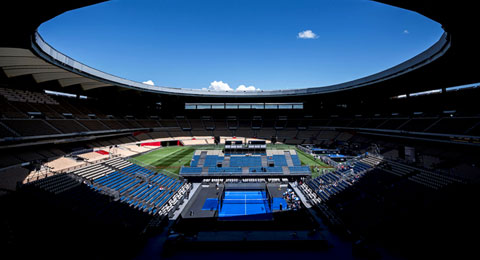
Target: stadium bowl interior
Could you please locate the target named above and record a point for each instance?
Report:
(384, 166)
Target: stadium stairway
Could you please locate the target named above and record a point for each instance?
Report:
(205, 170)
(264, 161)
(226, 161)
(288, 158)
(201, 160)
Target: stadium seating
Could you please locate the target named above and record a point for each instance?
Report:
(68, 126)
(7, 110)
(374, 123)
(212, 160)
(18, 95)
(217, 170)
(93, 172)
(332, 183)
(296, 161)
(31, 127)
(238, 162)
(148, 123)
(394, 123)
(418, 124)
(454, 125)
(47, 110)
(5, 132)
(279, 160)
(56, 184)
(269, 170)
(194, 161)
(56, 110)
(190, 170)
(137, 186)
(245, 161)
(113, 124)
(299, 169)
(93, 125)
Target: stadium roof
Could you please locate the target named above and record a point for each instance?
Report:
(23, 52)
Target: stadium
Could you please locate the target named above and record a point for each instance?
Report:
(93, 165)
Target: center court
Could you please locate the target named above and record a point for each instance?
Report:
(243, 203)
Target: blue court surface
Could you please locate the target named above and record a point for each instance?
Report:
(244, 203)
(277, 202)
(210, 204)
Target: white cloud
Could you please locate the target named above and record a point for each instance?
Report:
(307, 34)
(406, 31)
(219, 86)
(149, 82)
(222, 86)
(245, 88)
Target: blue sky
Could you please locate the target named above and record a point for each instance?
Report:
(197, 44)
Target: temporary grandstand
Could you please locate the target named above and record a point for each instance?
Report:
(272, 163)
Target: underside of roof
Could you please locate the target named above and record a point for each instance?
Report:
(443, 66)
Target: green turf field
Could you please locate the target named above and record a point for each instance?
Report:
(171, 159)
(168, 159)
(309, 160)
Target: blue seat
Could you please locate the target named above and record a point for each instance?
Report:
(245, 161)
(226, 170)
(296, 161)
(299, 169)
(212, 160)
(194, 161)
(190, 170)
(280, 160)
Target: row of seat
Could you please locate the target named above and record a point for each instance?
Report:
(135, 185)
(245, 161)
(224, 170)
(279, 160)
(268, 170)
(118, 163)
(212, 160)
(433, 180)
(296, 161)
(332, 183)
(26, 96)
(429, 179)
(93, 172)
(238, 170)
(190, 170)
(308, 192)
(194, 161)
(372, 161)
(299, 169)
(56, 183)
(173, 201)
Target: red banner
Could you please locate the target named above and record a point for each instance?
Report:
(151, 144)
